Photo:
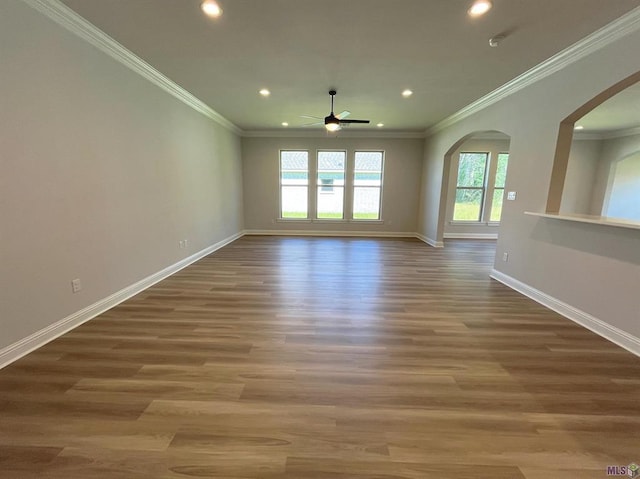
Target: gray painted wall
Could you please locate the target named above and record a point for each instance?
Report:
(579, 184)
(101, 175)
(402, 171)
(593, 268)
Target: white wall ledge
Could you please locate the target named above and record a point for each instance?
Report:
(595, 220)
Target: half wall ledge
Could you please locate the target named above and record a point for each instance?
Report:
(595, 220)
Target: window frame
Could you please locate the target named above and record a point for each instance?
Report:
(495, 188)
(314, 189)
(488, 189)
(318, 188)
(381, 187)
(482, 189)
(280, 185)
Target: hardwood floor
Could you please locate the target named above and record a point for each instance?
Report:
(324, 358)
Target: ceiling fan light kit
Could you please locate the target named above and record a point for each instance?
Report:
(334, 123)
(211, 8)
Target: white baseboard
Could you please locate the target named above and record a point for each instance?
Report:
(470, 236)
(23, 347)
(601, 328)
(370, 234)
(429, 241)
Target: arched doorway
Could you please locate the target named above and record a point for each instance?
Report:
(473, 186)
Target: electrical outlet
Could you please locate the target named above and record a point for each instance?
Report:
(181, 244)
(186, 243)
(505, 256)
(76, 285)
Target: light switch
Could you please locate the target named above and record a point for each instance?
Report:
(511, 195)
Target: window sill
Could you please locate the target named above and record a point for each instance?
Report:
(293, 220)
(378, 222)
(474, 223)
(327, 220)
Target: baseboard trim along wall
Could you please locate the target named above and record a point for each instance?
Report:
(429, 241)
(601, 328)
(370, 234)
(491, 236)
(23, 347)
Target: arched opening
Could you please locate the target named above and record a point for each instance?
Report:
(592, 142)
(473, 186)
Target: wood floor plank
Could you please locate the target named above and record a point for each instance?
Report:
(324, 358)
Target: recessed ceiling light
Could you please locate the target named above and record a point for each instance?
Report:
(380, 125)
(284, 123)
(264, 92)
(211, 8)
(578, 127)
(479, 7)
(407, 93)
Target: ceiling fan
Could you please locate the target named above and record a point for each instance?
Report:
(334, 122)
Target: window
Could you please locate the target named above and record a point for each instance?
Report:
(367, 185)
(480, 187)
(330, 182)
(333, 195)
(294, 184)
(472, 171)
(498, 188)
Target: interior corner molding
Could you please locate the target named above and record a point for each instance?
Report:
(70, 20)
(599, 327)
(429, 241)
(15, 351)
(606, 35)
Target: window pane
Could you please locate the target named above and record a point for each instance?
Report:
(294, 178)
(294, 167)
(366, 203)
(468, 205)
(330, 181)
(367, 185)
(330, 204)
(331, 167)
(471, 169)
(368, 162)
(496, 204)
(294, 202)
(501, 170)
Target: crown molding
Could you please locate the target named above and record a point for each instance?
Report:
(321, 133)
(586, 135)
(490, 135)
(606, 135)
(70, 20)
(606, 35)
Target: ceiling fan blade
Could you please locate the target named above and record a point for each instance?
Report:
(355, 121)
(311, 117)
(313, 124)
(343, 114)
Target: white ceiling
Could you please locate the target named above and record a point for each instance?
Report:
(370, 50)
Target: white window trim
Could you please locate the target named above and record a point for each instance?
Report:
(488, 188)
(348, 189)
